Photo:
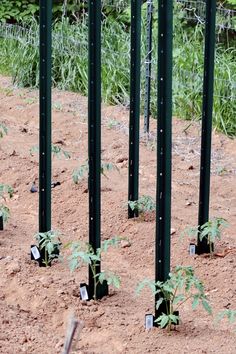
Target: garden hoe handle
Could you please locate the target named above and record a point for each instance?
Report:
(73, 325)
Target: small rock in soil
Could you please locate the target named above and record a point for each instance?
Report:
(125, 243)
(122, 159)
(33, 188)
(13, 268)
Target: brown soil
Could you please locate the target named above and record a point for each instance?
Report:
(35, 303)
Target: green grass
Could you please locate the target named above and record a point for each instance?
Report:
(69, 71)
(5, 57)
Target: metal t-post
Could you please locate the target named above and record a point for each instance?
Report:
(207, 109)
(94, 137)
(45, 116)
(148, 65)
(164, 138)
(134, 103)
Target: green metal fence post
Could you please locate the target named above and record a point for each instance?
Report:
(134, 103)
(164, 137)
(94, 136)
(148, 65)
(207, 109)
(45, 116)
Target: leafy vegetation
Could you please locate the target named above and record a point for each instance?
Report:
(143, 205)
(181, 286)
(229, 314)
(85, 254)
(23, 10)
(57, 151)
(82, 171)
(211, 231)
(50, 244)
(3, 130)
(70, 63)
(5, 190)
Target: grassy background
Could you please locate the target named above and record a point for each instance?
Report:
(70, 64)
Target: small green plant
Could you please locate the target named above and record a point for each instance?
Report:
(57, 151)
(5, 190)
(220, 171)
(229, 314)
(82, 172)
(57, 106)
(85, 254)
(143, 205)
(4, 213)
(30, 100)
(49, 243)
(181, 286)
(3, 130)
(211, 231)
(113, 123)
(6, 91)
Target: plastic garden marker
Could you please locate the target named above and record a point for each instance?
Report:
(207, 108)
(163, 198)
(134, 104)
(94, 137)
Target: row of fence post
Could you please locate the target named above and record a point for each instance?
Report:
(164, 123)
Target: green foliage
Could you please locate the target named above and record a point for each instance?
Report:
(57, 151)
(24, 10)
(113, 123)
(232, 2)
(229, 314)
(85, 254)
(5, 190)
(192, 232)
(181, 286)
(3, 130)
(144, 204)
(50, 243)
(82, 172)
(18, 10)
(69, 63)
(211, 230)
(4, 212)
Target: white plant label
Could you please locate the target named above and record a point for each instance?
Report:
(192, 250)
(35, 252)
(84, 293)
(149, 321)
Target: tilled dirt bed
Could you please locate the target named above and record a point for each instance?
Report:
(36, 303)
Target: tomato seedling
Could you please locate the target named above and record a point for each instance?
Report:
(85, 254)
(181, 286)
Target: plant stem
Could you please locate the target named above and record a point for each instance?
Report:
(181, 303)
(93, 268)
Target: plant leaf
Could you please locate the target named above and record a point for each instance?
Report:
(206, 306)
